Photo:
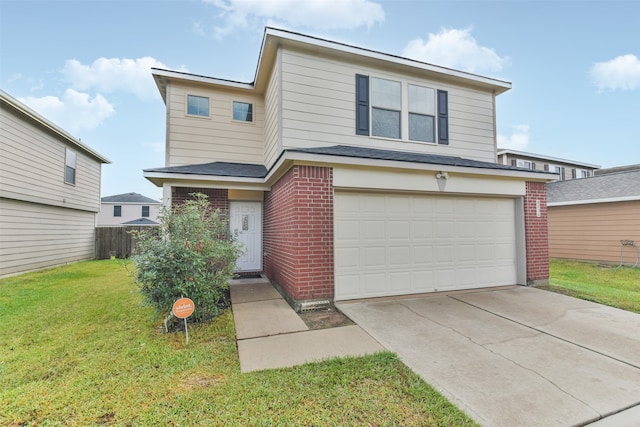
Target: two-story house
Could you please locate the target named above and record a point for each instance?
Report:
(564, 168)
(352, 173)
(128, 209)
(49, 192)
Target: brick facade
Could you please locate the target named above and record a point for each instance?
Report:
(218, 198)
(298, 233)
(536, 233)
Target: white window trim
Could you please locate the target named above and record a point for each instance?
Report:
(75, 166)
(253, 113)
(186, 105)
(404, 112)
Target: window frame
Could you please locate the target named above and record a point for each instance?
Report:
(148, 211)
(201, 116)
(370, 99)
(117, 211)
(250, 113)
(70, 156)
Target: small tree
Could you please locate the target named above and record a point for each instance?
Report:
(191, 254)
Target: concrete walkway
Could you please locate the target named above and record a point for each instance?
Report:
(516, 356)
(270, 334)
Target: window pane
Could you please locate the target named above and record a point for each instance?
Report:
(70, 159)
(422, 100)
(385, 123)
(69, 175)
(242, 111)
(421, 128)
(386, 94)
(145, 211)
(117, 211)
(198, 105)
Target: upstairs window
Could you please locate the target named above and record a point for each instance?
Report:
(145, 211)
(386, 108)
(560, 171)
(70, 167)
(117, 210)
(400, 110)
(421, 113)
(197, 105)
(242, 111)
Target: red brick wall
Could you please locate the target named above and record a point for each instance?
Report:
(218, 198)
(536, 233)
(298, 233)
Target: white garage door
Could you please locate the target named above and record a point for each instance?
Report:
(395, 244)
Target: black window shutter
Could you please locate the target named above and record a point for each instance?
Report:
(362, 104)
(443, 117)
(533, 165)
(574, 173)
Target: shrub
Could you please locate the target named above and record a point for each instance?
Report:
(191, 254)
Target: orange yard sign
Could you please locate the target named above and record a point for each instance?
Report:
(183, 308)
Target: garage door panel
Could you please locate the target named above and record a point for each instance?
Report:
(402, 244)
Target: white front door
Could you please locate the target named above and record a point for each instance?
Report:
(246, 220)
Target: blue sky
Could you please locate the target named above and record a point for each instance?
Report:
(574, 65)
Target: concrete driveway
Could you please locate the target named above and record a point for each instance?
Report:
(516, 356)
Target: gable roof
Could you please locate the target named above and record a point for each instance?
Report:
(129, 198)
(274, 38)
(613, 187)
(32, 116)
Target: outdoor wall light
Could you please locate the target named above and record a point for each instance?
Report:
(442, 177)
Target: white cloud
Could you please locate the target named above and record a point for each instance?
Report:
(518, 140)
(34, 84)
(74, 112)
(110, 75)
(622, 73)
(456, 49)
(318, 14)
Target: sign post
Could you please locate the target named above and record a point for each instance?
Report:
(182, 309)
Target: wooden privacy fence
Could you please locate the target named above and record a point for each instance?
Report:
(115, 241)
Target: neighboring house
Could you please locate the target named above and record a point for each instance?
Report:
(351, 173)
(588, 218)
(566, 169)
(49, 192)
(128, 209)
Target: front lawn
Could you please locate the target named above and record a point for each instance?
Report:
(615, 286)
(77, 348)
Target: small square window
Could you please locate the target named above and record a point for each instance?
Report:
(145, 211)
(70, 167)
(117, 210)
(242, 111)
(198, 105)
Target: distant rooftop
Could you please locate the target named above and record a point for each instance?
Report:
(544, 157)
(612, 187)
(141, 221)
(128, 198)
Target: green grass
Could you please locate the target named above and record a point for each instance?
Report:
(617, 287)
(78, 348)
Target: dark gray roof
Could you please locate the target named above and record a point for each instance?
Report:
(245, 170)
(240, 170)
(599, 187)
(128, 198)
(141, 221)
(401, 156)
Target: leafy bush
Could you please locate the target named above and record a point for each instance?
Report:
(191, 254)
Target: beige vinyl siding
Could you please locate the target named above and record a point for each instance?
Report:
(318, 108)
(592, 232)
(32, 167)
(272, 141)
(36, 236)
(194, 140)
